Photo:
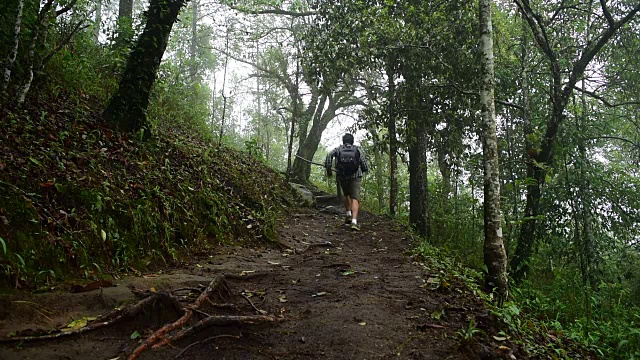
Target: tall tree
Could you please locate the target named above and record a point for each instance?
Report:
(566, 70)
(495, 256)
(128, 106)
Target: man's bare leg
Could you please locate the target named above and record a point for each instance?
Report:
(347, 203)
(355, 206)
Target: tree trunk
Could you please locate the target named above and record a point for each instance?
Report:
(495, 257)
(224, 85)
(97, 24)
(418, 180)
(379, 171)
(125, 23)
(128, 106)
(393, 142)
(13, 52)
(41, 27)
(301, 170)
(193, 49)
(445, 170)
(294, 118)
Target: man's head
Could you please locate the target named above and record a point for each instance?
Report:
(347, 139)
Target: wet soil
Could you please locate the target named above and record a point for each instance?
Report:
(337, 294)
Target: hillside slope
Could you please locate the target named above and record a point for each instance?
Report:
(80, 198)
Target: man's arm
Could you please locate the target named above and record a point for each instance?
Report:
(364, 165)
(328, 164)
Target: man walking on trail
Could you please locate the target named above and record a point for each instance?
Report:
(350, 165)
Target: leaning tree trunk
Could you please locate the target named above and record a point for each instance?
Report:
(495, 256)
(418, 181)
(128, 106)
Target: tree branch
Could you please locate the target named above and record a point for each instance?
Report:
(272, 11)
(66, 8)
(538, 30)
(604, 101)
(606, 13)
(64, 42)
(610, 137)
(593, 49)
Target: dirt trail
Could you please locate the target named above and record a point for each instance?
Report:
(339, 295)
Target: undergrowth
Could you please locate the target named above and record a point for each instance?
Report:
(79, 198)
(515, 324)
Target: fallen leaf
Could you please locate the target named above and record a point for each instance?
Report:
(322, 293)
(273, 263)
(283, 299)
(76, 324)
(500, 338)
(362, 323)
(135, 335)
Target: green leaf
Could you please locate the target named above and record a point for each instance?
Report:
(348, 272)
(4, 245)
(135, 335)
(35, 161)
(22, 263)
(76, 324)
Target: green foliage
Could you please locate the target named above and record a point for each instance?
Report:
(136, 204)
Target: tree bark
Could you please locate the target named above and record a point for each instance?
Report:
(301, 170)
(393, 142)
(495, 257)
(418, 179)
(128, 106)
(13, 53)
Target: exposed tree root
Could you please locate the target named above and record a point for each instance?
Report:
(159, 335)
(109, 319)
(216, 321)
(183, 327)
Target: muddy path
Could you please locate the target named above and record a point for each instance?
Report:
(335, 294)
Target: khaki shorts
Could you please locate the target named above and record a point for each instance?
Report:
(351, 187)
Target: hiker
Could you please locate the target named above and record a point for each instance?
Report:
(350, 164)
